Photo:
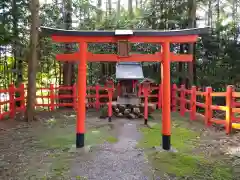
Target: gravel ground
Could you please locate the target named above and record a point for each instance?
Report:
(120, 161)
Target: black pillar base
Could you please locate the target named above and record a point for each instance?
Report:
(166, 144)
(109, 119)
(79, 140)
(145, 121)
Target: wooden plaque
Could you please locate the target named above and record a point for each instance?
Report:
(123, 48)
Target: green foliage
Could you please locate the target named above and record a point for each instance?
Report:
(215, 53)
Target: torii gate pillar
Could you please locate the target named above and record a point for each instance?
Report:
(81, 94)
(166, 108)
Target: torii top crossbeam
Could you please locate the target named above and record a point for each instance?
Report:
(135, 36)
(138, 33)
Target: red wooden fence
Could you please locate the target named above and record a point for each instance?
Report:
(50, 97)
(183, 100)
(8, 100)
(231, 107)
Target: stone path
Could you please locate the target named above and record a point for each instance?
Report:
(120, 161)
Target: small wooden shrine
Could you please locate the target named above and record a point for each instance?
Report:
(131, 84)
(128, 74)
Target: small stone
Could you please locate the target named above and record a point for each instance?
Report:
(119, 115)
(127, 111)
(136, 110)
(131, 116)
(116, 110)
(122, 107)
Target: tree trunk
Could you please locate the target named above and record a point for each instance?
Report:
(109, 8)
(32, 61)
(154, 18)
(130, 10)
(218, 21)
(235, 18)
(181, 68)
(136, 3)
(99, 15)
(118, 9)
(68, 68)
(192, 7)
(18, 78)
(209, 22)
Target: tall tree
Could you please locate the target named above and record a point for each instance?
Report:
(118, 9)
(32, 60)
(130, 9)
(209, 13)
(68, 68)
(99, 11)
(192, 7)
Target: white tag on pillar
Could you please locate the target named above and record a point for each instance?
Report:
(123, 32)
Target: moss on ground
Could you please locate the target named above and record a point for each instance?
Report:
(81, 178)
(66, 138)
(61, 141)
(183, 164)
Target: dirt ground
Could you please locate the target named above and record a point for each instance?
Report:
(123, 149)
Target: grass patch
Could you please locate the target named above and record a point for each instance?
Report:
(182, 164)
(81, 178)
(111, 139)
(182, 139)
(61, 139)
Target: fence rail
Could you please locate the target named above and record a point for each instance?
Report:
(182, 100)
(180, 103)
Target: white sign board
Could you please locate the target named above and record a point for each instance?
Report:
(123, 32)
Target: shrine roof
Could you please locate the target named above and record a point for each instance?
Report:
(180, 32)
(129, 70)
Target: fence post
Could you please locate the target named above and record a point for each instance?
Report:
(208, 109)
(11, 91)
(193, 107)
(233, 105)
(51, 97)
(97, 103)
(1, 116)
(118, 89)
(0, 110)
(139, 90)
(134, 86)
(228, 126)
(110, 94)
(145, 93)
(74, 97)
(182, 100)
(160, 96)
(22, 95)
(174, 100)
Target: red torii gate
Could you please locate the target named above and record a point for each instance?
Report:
(135, 36)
